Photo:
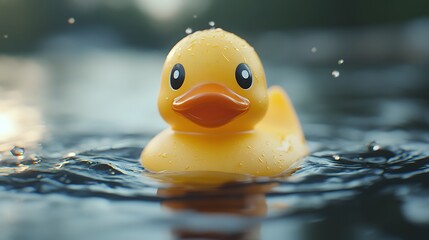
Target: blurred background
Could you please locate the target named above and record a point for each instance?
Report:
(78, 88)
(93, 66)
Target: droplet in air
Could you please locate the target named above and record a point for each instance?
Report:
(313, 49)
(341, 61)
(212, 24)
(5, 36)
(71, 20)
(188, 30)
(17, 151)
(336, 157)
(195, 16)
(335, 73)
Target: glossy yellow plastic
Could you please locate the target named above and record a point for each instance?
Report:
(216, 125)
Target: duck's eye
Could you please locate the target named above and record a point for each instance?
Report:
(243, 75)
(177, 76)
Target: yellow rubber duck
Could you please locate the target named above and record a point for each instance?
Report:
(214, 96)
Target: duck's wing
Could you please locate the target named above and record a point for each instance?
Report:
(281, 117)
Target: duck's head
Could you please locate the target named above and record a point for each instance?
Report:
(212, 81)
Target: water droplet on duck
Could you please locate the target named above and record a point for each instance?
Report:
(241, 164)
(212, 24)
(341, 61)
(335, 73)
(188, 30)
(164, 155)
(285, 146)
(313, 49)
(71, 20)
(17, 151)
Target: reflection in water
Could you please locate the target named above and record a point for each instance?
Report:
(19, 125)
(20, 120)
(215, 194)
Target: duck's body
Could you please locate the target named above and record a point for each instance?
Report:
(221, 123)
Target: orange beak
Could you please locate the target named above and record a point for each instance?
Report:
(210, 105)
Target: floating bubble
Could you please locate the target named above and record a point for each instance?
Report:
(341, 61)
(313, 49)
(71, 20)
(17, 151)
(335, 73)
(188, 30)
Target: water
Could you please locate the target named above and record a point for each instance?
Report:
(367, 176)
(359, 191)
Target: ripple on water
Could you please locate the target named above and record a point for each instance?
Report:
(323, 183)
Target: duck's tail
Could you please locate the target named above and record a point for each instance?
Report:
(281, 117)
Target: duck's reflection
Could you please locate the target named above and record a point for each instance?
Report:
(216, 195)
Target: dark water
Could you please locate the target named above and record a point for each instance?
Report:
(367, 176)
(343, 190)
